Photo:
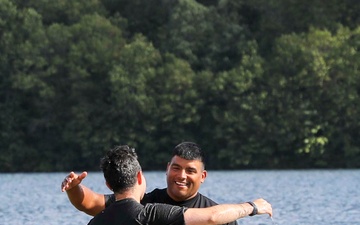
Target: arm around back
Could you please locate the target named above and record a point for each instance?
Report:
(225, 213)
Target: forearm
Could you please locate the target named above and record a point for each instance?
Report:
(86, 200)
(219, 214)
(226, 213)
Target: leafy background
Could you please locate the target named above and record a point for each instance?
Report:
(260, 84)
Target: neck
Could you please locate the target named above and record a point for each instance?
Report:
(179, 199)
(127, 194)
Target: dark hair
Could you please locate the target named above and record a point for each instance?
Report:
(189, 151)
(120, 167)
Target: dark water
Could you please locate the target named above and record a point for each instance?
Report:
(322, 197)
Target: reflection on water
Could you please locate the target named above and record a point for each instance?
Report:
(298, 197)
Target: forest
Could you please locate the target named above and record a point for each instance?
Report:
(258, 84)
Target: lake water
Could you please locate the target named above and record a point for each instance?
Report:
(306, 197)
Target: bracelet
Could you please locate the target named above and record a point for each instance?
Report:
(255, 210)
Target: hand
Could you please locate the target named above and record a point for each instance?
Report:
(263, 206)
(72, 180)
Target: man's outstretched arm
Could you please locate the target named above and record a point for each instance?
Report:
(82, 197)
(225, 213)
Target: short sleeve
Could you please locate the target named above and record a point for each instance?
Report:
(162, 214)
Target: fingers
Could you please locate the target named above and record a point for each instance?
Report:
(65, 182)
(82, 175)
(71, 180)
(64, 185)
(263, 206)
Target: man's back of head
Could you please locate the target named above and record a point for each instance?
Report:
(120, 167)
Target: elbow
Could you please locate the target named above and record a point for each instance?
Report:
(215, 218)
(88, 211)
(84, 208)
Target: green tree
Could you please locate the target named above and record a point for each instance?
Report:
(202, 37)
(269, 19)
(151, 96)
(148, 18)
(229, 119)
(62, 12)
(306, 93)
(83, 60)
(23, 42)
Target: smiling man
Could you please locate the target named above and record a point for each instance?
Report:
(184, 174)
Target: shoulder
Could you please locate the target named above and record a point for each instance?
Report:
(156, 195)
(158, 213)
(157, 191)
(207, 201)
(124, 211)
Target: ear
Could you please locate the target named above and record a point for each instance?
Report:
(139, 177)
(167, 167)
(203, 175)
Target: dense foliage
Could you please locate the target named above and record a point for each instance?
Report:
(267, 84)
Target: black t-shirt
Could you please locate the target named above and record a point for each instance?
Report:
(161, 196)
(130, 212)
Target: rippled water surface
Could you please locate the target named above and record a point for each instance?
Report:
(321, 197)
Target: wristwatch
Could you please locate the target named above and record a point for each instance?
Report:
(255, 210)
